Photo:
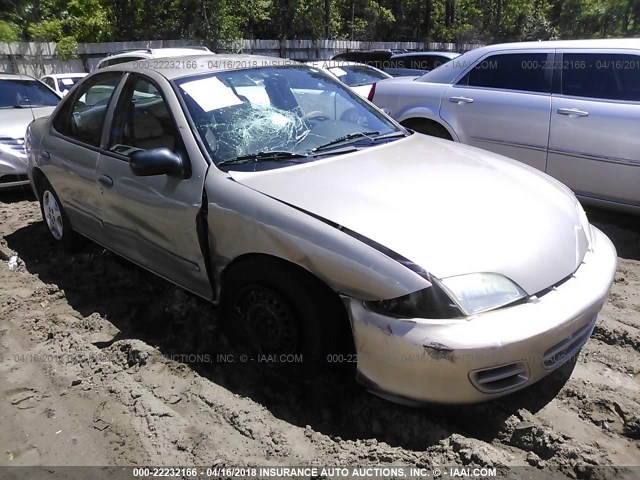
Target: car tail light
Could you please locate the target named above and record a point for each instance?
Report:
(372, 92)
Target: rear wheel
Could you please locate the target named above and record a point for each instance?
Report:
(427, 127)
(56, 218)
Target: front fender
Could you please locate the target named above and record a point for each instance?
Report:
(243, 221)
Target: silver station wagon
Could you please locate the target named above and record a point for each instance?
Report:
(568, 108)
(315, 221)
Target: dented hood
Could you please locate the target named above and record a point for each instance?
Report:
(449, 208)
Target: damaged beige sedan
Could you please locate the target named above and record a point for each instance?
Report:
(315, 221)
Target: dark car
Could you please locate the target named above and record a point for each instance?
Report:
(399, 63)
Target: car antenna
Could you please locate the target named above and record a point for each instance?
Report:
(17, 69)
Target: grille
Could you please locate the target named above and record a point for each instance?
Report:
(500, 379)
(567, 348)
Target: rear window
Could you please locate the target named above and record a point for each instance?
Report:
(354, 75)
(596, 75)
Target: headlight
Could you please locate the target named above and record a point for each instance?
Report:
(430, 302)
(479, 292)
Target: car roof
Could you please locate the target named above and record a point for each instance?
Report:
(335, 63)
(449, 71)
(160, 52)
(15, 76)
(66, 75)
(209, 63)
(590, 43)
(450, 55)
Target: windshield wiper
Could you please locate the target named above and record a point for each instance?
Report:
(345, 138)
(263, 157)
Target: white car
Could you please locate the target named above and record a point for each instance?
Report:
(61, 83)
(358, 76)
(124, 56)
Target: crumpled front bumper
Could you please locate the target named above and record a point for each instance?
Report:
(487, 355)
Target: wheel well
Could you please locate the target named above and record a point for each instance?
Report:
(272, 261)
(38, 176)
(427, 126)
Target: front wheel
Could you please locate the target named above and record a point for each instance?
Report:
(56, 219)
(279, 312)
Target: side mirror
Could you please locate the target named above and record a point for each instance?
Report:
(157, 161)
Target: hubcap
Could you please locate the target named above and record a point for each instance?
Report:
(52, 215)
(268, 319)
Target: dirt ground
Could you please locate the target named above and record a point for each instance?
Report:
(102, 363)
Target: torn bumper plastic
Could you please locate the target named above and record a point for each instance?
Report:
(487, 355)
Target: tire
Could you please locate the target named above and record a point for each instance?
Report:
(56, 219)
(427, 127)
(273, 309)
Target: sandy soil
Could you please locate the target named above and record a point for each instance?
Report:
(95, 369)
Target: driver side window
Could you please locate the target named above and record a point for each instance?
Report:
(142, 120)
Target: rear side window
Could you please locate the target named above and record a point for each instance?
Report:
(82, 117)
(516, 71)
(598, 75)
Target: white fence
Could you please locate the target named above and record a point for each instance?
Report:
(39, 58)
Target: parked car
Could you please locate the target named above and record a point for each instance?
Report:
(124, 56)
(399, 63)
(22, 98)
(61, 83)
(358, 76)
(568, 108)
(459, 275)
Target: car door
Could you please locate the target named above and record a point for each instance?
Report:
(594, 145)
(502, 103)
(70, 153)
(153, 220)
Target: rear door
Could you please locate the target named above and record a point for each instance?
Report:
(503, 103)
(153, 220)
(594, 144)
(70, 153)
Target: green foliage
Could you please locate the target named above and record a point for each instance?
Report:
(9, 32)
(220, 23)
(66, 48)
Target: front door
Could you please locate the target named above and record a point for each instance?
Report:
(152, 220)
(503, 104)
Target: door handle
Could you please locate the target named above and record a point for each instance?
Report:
(105, 180)
(572, 112)
(44, 155)
(460, 100)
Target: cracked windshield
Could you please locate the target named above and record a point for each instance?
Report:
(279, 116)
